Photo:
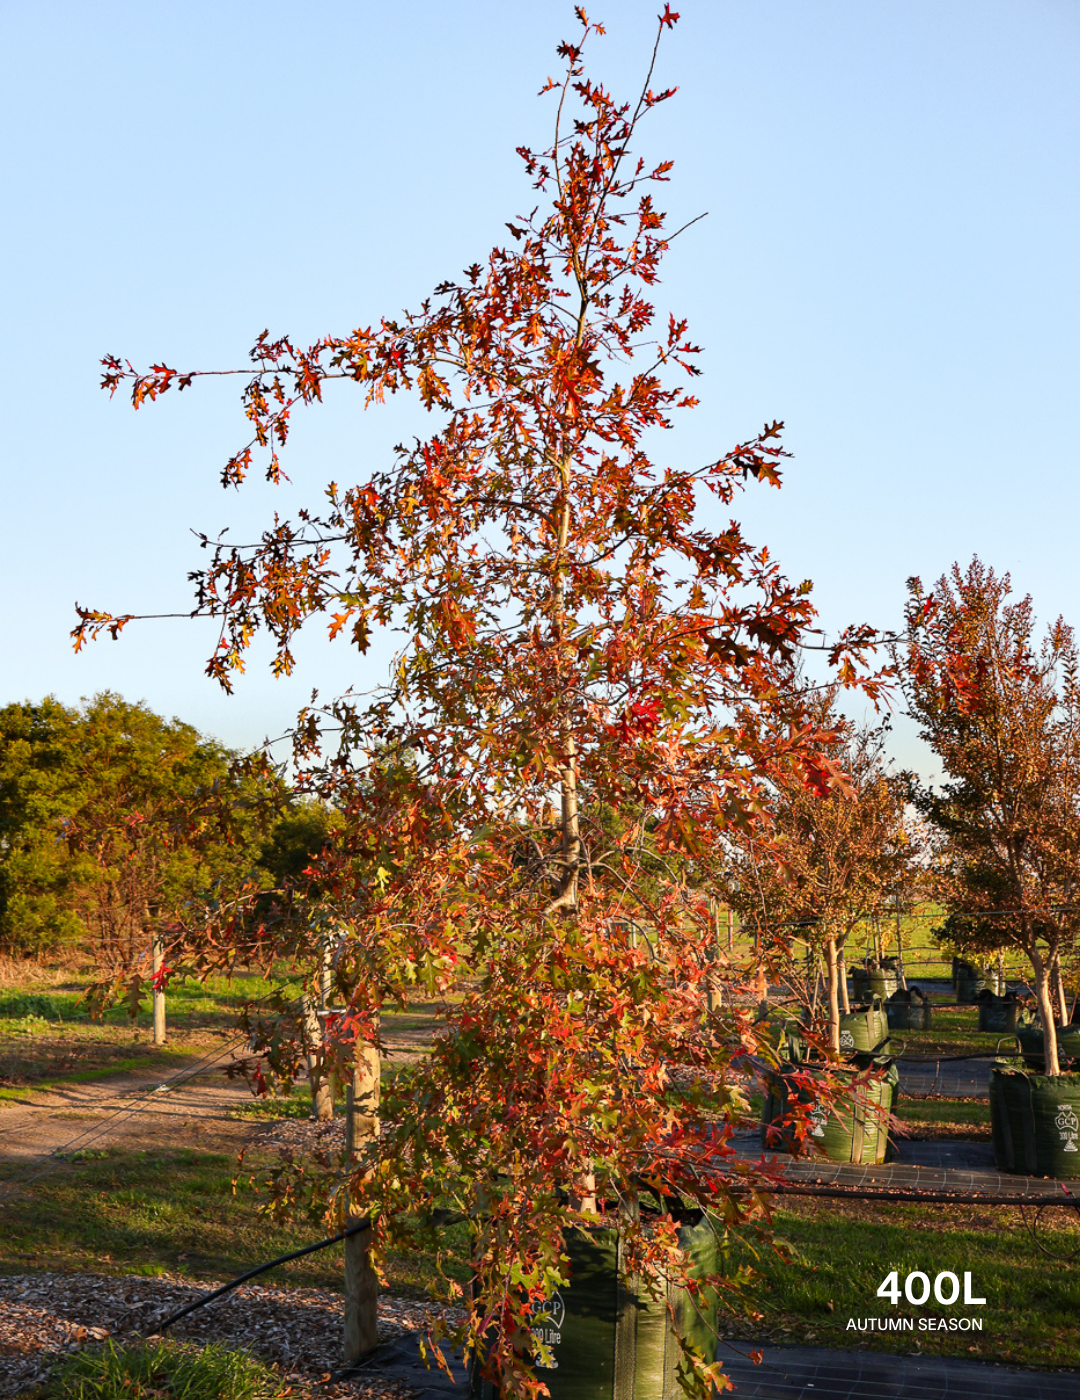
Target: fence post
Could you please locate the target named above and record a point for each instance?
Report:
(157, 962)
(361, 1133)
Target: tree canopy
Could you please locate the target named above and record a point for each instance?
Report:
(114, 822)
(1002, 711)
(832, 858)
(575, 625)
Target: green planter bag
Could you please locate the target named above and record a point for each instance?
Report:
(854, 1132)
(604, 1338)
(1002, 1015)
(908, 1011)
(1030, 1037)
(970, 980)
(782, 1028)
(1035, 1122)
(874, 982)
(865, 1029)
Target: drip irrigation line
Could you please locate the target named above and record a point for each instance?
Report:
(1032, 1227)
(884, 1193)
(353, 1229)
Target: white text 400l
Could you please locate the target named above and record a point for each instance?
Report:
(917, 1289)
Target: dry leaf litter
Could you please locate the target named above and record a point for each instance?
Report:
(299, 1330)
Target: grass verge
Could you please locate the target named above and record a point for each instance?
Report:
(840, 1253)
(163, 1371)
(174, 1211)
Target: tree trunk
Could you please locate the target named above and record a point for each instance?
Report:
(361, 1281)
(1047, 1018)
(832, 984)
(1057, 984)
(714, 997)
(322, 1104)
(841, 977)
(326, 992)
(157, 962)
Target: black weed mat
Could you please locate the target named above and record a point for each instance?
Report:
(817, 1373)
(399, 1360)
(789, 1373)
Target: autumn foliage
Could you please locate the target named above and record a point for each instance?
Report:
(583, 633)
(1002, 712)
(832, 855)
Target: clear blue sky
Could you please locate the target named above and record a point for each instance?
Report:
(889, 265)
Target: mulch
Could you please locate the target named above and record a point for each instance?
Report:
(299, 1330)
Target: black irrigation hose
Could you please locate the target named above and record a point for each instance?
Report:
(353, 1229)
(861, 1193)
(956, 1198)
(1032, 1227)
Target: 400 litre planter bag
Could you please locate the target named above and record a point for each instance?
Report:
(854, 1131)
(1035, 1122)
(866, 1029)
(608, 1339)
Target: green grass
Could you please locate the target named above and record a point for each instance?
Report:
(158, 1060)
(47, 1038)
(112, 1211)
(952, 1032)
(296, 1104)
(163, 1371)
(928, 1112)
(840, 1255)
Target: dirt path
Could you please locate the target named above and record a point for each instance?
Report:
(133, 1110)
(147, 1109)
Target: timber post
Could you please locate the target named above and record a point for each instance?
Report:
(361, 1133)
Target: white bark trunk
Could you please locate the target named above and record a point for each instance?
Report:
(832, 986)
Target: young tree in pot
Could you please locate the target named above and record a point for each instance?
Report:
(570, 624)
(1002, 712)
(844, 843)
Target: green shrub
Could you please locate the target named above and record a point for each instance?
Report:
(150, 1371)
(29, 1004)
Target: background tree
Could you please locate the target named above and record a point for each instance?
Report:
(570, 625)
(835, 850)
(113, 822)
(37, 912)
(1003, 715)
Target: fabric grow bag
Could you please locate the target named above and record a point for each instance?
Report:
(866, 1028)
(1001, 1015)
(854, 1131)
(1030, 1037)
(604, 1337)
(1035, 1122)
(970, 980)
(867, 982)
(908, 1011)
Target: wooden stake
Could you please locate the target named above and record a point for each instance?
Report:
(361, 1281)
